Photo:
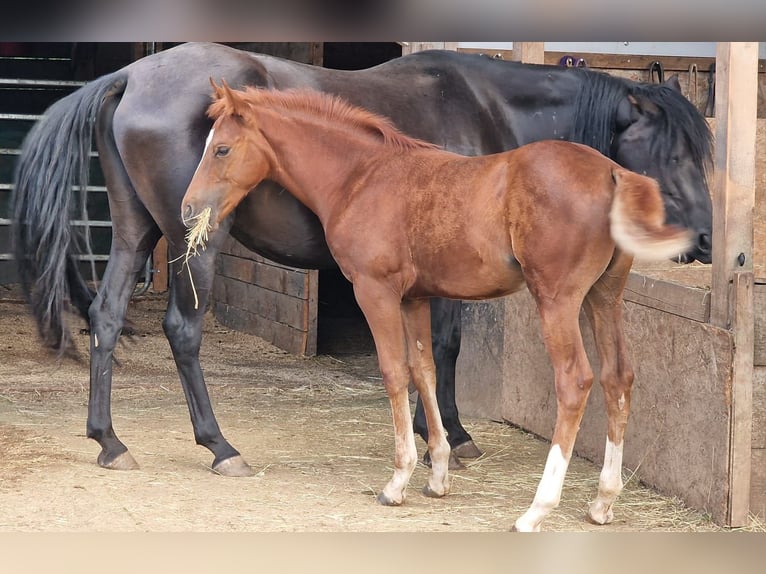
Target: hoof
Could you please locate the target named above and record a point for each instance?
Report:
(125, 461)
(386, 501)
(467, 449)
(234, 466)
(431, 493)
(454, 461)
(598, 514)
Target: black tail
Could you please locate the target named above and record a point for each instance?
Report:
(55, 158)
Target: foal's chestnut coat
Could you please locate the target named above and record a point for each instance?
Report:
(406, 222)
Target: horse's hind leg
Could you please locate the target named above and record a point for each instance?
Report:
(573, 380)
(603, 306)
(417, 328)
(183, 329)
(135, 235)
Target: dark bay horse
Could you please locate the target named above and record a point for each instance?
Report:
(150, 128)
(406, 221)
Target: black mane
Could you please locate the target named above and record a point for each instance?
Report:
(596, 112)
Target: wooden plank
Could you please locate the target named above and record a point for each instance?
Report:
(734, 178)
(282, 336)
(529, 52)
(311, 314)
(160, 266)
(263, 274)
(759, 325)
(684, 301)
(759, 407)
(740, 430)
(758, 484)
(616, 61)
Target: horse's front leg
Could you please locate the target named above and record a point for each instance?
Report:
(382, 309)
(189, 292)
(417, 327)
(573, 380)
(446, 333)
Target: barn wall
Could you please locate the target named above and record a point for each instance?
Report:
(678, 435)
(257, 296)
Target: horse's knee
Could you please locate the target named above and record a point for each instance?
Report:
(181, 333)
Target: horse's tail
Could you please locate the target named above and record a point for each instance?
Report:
(54, 160)
(637, 219)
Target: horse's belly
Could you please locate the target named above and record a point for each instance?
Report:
(486, 281)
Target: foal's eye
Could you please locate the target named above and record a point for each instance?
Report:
(221, 151)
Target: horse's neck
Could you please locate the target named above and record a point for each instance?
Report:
(313, 167)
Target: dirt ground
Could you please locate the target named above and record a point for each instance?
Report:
(317, 432)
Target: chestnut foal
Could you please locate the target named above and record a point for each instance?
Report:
(406, 221)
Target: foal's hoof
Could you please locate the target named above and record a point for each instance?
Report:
(234, 466)
(467, 449)
(125, 461)
(386, 501)
(454, 461)
(431, 493)
(599, 513)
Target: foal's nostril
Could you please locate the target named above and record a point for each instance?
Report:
(703, 242)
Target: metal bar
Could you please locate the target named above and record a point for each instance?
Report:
(9, 186)
(76, 222)
(9, 257)
(40, 83)
(30, 117)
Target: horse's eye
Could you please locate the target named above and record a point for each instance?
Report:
(675, 159)
(221, 151)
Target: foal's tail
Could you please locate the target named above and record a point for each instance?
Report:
(637, 219)
(55, 160)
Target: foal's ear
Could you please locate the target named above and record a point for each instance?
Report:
(217, 90)
(233, 102)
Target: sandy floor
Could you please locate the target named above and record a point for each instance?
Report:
(317, 432)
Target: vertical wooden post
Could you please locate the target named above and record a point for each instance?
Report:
(529, 52)
(160, 266)
(732, 305)
(734, 178)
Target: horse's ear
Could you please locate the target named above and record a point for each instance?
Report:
(673, 83)
(217, 90)
(234, 103)
(632, 108)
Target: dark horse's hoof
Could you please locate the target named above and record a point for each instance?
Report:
(467, 449)
(454, 461)
(234, 466)
(124, 461)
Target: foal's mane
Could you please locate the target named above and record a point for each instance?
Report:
(324, 106)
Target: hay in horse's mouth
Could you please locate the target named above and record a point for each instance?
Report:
(196, 239)
(196, 236)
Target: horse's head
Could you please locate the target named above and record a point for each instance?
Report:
(236, 158)
(661, 134)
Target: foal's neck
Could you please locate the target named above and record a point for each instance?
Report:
(316, 161)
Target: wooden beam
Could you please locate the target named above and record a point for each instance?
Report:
(741, 422)
(160, 266)
(529, 52)
(734, 178)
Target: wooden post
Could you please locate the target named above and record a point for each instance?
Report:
(734, 178)
(160, 266)
(529, 52)
(731, 305)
